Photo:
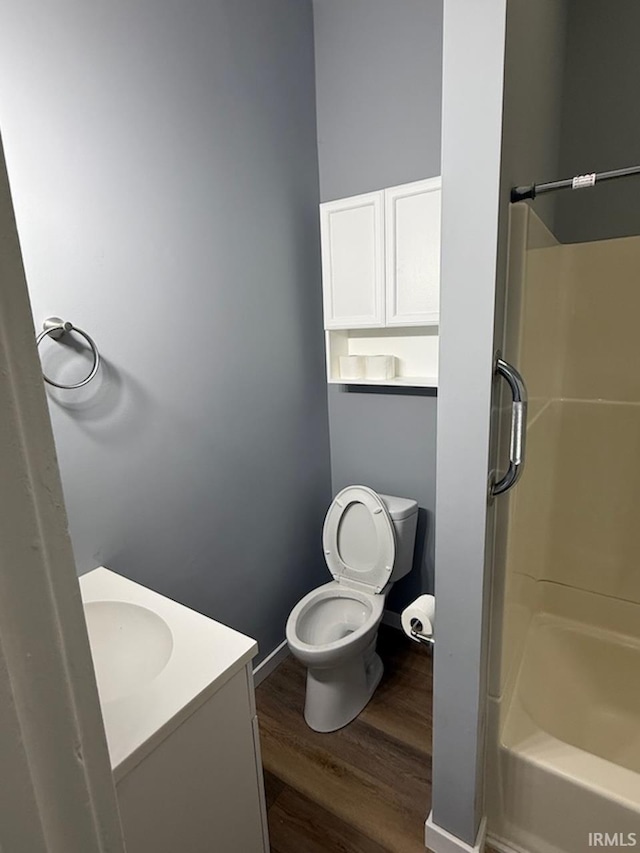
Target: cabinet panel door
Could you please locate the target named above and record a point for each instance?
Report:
(412, 229)
(352, 233)
(198, 790)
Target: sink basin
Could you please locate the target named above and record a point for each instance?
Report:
(155, 661)
(130, 645)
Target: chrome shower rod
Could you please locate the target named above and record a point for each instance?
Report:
(577, 183)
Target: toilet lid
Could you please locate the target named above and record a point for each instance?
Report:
(359, 539)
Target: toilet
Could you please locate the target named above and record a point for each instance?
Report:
(368, 542)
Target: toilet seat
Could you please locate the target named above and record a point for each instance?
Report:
(359, 539)
(318, 651)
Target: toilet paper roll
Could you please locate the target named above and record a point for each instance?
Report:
(424, 610)
(380, 366)
(352, 367)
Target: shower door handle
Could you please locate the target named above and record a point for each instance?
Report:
(518, 428)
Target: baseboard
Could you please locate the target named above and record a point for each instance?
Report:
(266, 667)
(439, 840)
(392, 619)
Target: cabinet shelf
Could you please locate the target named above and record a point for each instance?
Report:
(398, 381)
(415, 349)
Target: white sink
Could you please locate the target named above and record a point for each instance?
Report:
(130, 646)
(155, 662)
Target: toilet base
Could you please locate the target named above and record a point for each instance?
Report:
(335, 696)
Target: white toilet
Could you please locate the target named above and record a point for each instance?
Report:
(368, 542)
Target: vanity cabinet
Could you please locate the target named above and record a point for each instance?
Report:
(183, 733)
(201, 788)
(381, 280)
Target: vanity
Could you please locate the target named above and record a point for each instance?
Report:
(177, 697)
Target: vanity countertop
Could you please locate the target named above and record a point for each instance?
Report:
(201, 655)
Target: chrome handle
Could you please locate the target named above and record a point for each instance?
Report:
(518, 427)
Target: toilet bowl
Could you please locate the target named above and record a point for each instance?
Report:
(368, 542)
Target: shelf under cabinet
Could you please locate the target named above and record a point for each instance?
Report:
(415, 349)
(397, 381)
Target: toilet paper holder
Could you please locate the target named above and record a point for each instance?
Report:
(416, 633)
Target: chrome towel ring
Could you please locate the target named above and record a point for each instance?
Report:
(54, 327)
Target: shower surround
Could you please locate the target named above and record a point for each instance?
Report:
(564, 710)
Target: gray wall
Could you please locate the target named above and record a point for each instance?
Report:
(534, 95)
(601, 119)
(388, 442)
(163, 163)
(378, 92)
(502, 88)
(472, 110)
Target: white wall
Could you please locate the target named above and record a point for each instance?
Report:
(163, 163)
(57, 793)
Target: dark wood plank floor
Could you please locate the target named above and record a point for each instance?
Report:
(365, 788)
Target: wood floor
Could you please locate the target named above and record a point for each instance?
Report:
(365, 788)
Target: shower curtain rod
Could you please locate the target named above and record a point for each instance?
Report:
(577, 183)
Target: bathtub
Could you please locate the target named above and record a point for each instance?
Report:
(569, 752)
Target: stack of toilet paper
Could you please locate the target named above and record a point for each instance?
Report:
(378, 367)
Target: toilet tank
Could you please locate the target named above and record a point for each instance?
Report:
(404, 514)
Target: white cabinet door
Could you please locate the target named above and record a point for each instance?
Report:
(412, 232)
(352, 233)
(201, 788)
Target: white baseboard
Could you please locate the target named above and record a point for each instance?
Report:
(439, 840)
(271, 661)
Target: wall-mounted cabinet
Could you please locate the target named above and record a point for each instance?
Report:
(381, 271)
(412, 251)
(352, 232)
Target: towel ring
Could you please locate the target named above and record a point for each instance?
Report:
(55, 327)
